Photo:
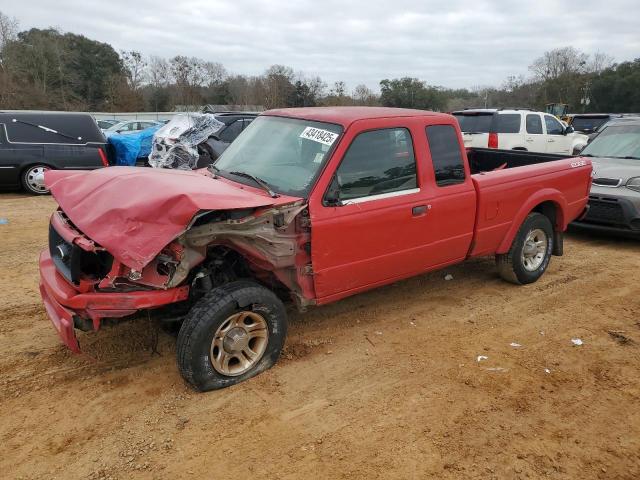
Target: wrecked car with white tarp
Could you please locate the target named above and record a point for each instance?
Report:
(181, 142)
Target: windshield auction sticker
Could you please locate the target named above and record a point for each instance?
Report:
(319, 135)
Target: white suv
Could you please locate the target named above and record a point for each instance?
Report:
(518, 129)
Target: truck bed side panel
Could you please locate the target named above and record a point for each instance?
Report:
(506, 197)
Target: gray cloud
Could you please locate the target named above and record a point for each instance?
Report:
(454, 43)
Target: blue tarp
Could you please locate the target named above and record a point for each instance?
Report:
(131, 146)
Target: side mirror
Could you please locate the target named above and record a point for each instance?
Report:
(118, 131)
(332, 197)
(568, 130)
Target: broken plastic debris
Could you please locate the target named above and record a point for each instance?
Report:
(546, 370)
(175, 145)
(413, 323)
(541, 332)
(515, 345)
(576, 341)
(496, 369)
(448, 276)
(4, 221)
(481, 357)
(378, 333)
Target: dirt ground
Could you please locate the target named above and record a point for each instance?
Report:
(386, 384)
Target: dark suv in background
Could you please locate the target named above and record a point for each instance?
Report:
(235, 123)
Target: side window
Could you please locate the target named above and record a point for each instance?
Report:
(445, 155)
(554, 127)
(506, 123)
(230, 133)
(534, 124)
(377, 162)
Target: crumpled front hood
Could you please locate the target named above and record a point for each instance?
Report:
(135, 212)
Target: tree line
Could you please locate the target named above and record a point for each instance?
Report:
(49, 69)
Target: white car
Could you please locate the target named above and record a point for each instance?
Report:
(129, 126)
(518, 129)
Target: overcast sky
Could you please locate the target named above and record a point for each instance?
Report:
(452, 43)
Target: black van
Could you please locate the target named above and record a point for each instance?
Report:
(34, 142)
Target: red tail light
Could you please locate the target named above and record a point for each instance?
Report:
(493, 140)
(103, 157)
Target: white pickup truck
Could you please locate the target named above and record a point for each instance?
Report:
(518, 129)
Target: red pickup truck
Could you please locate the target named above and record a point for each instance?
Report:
(308, 205)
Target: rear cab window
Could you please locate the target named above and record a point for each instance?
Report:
(445, 155)
(378, 164)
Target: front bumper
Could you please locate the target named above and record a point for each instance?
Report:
(611, 213)
(68, 308)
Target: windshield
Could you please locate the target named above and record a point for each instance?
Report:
(588, 123)
(615, 141)
(285, 153)
(117, 126)
(474, 123)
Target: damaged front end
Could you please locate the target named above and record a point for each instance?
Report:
(82, 284)
(271, 245)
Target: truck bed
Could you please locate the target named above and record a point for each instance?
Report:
(509, 184)
(488, 159)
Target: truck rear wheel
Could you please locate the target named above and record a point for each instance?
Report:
(530, 252)
(231, 334)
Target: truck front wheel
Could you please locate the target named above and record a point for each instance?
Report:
(530, 252)
(231, 334)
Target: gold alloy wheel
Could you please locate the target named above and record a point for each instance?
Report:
(239, 343)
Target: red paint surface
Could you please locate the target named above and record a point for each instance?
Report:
(135, 212)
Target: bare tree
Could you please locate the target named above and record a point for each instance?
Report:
(278, 84)
(598, 62)
(135, 68)
(188, 74)
(557, 62)
(363, 95)
(158, 72)
(8, 30)
(214, 73)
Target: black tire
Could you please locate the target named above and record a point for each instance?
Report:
(28, 179)
(512, 266)
(209, 314)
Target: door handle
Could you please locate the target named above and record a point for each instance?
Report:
(420, 210)
(529, 140)
(551, 140)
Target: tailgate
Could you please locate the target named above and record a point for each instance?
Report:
(475, 140)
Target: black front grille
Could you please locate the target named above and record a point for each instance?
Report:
(607, 212)
(73, 262)
(64, 255)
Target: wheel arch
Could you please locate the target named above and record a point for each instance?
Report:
(549, 202)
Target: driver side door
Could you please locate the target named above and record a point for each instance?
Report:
(373, 224)
(557, 141)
